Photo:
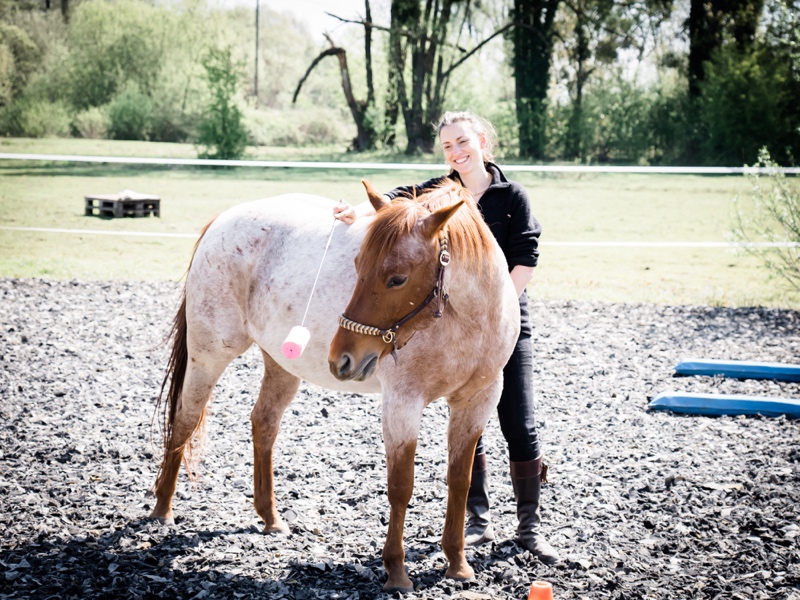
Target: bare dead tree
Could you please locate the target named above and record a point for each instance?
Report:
(366, 136)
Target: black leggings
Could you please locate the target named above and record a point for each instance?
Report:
(516, 408)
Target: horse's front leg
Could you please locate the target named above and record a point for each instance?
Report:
(401, 420)
(467, 421)
(278, 388)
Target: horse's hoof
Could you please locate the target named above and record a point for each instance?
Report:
(278, 529)
(394, 589)
(466, 576)
(162, 520)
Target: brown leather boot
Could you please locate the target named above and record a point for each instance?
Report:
(479, 526)
(527, 478)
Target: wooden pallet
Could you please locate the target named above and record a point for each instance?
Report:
(111, 206)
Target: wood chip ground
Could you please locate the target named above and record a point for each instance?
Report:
(640, 504)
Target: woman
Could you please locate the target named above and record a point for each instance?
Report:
(467, 144)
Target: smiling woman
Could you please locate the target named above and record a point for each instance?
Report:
(467, 142)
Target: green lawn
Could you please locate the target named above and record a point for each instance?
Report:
(572, 208)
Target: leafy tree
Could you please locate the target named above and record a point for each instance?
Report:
(585, 37)
(709, 22)
(112, 44)
(19, 57)
(221, 130)
(8, 7)
(592, 34)
(533, 38)
(424, 51)
(745, 105)
(783, 32)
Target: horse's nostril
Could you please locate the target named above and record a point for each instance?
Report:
(344, 365)
(341, 368)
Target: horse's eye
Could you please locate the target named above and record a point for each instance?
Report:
(396, 281)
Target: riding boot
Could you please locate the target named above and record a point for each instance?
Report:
(479, 526)
(527, 478)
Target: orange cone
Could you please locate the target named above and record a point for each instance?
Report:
(541, 590)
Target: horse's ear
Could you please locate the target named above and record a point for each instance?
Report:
(434, 222)
(376, 198)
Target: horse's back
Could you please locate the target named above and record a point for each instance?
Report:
(253, 272)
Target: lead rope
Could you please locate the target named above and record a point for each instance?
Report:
(314, 287)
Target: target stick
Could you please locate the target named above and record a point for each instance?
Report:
(298, 337)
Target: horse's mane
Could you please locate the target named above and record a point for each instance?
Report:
(470, 240)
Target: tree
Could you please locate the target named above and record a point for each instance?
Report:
(533, 37)
(745, 105)
(425, 51)
(709, 21)
(592, 34)
(111, 45)
(587, 39)
(8, 7)
(361, 111)
(221, 130)
(19, 57)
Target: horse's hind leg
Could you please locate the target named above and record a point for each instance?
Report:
(202, 374)
(278, 388)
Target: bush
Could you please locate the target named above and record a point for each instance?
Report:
(169, 125)
(130, 115)
(773, 217)
(92, 123)
(746, 104)
(297, 127)
(616, 122)
(670, 123)
(36, 118)
(620, 123)
(221, 130)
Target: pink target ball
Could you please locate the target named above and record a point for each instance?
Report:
(295, 342)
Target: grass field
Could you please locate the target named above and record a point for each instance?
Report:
(572, 208)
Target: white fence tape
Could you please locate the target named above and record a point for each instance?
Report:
(194, 162)
(194, 236)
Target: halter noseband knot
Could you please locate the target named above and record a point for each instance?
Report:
(389, 335)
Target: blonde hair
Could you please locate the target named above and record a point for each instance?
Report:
(479, 126)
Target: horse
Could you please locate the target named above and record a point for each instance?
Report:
(415, 303)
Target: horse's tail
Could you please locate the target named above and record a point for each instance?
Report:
(172, 383)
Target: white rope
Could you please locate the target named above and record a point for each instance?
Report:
(314, 287)
(612, 244)
(284, 164)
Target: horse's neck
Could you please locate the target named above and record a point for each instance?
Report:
(479, 293)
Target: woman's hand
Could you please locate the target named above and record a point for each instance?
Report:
(345, 212)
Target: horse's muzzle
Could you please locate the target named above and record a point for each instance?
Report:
(346, 368)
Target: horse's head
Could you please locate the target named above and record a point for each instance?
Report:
(398, 270)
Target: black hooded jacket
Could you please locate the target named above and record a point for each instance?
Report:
(506, 209)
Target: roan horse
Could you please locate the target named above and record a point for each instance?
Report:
(248, 283)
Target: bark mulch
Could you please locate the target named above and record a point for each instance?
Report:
(640, 504)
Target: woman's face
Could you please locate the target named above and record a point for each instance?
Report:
(463, 148)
